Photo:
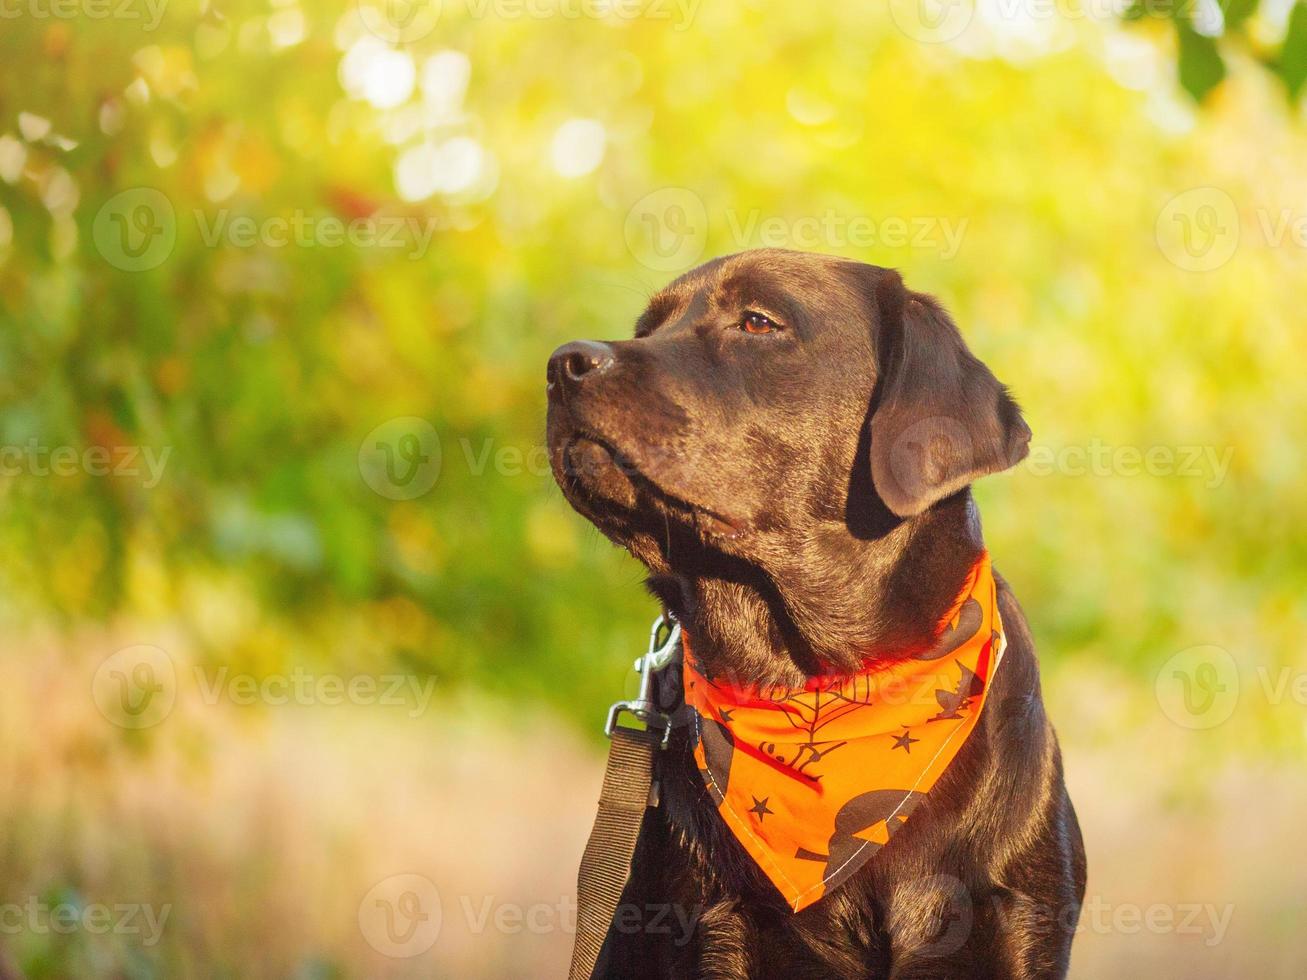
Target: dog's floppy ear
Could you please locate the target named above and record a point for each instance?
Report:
(939, 418)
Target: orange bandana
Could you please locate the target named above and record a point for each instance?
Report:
(814, 781)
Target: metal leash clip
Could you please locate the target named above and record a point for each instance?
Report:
(643, 706)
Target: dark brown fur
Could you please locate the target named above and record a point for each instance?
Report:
(801, 500)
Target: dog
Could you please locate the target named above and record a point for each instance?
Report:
(788, 443)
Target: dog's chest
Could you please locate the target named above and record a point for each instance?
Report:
(705, 909)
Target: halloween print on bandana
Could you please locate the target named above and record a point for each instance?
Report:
(813, 781)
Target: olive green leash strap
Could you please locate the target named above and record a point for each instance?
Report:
(628, 791)
(606, 863)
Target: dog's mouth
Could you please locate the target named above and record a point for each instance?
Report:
(620, 494)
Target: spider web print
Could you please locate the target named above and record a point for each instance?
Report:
(808, 712)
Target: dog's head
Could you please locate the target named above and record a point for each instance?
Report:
(768, 401)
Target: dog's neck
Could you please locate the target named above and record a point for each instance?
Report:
(830, 604)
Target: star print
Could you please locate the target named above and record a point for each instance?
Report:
(760, 807)
(904, 742)
(726, 715)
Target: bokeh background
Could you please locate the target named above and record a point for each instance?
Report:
(304, 655)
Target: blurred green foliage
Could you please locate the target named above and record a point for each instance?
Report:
(1209, 34)
(1051, 147)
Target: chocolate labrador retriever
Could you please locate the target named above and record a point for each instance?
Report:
(787, 443)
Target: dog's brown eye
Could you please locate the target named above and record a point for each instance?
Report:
(757, 323)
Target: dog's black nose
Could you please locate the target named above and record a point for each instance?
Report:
(574, 362)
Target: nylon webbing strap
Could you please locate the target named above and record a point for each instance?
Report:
(606, 863)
